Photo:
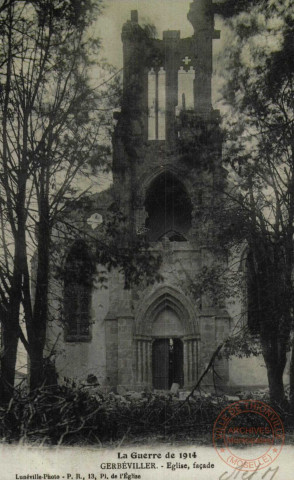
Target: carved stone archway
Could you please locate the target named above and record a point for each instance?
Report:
(183, 327)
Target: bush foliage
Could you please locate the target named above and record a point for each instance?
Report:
(71, 415)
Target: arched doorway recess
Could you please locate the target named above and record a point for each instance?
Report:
(167, 341)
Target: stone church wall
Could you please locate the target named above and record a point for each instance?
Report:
(78, 360)
(110, 355)
(164, 321)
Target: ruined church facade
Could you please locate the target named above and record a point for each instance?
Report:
(167, 132)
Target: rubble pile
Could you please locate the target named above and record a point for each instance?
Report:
(68, 415)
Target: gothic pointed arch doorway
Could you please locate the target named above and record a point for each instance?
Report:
(167, 341)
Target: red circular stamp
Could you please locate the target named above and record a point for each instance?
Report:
(251, 424)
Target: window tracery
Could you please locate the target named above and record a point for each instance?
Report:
(77, 293)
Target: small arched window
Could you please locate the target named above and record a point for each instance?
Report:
(77, 293)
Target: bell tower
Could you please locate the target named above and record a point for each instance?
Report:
(167, 123)
(166, 164)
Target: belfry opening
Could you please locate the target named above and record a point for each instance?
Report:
(168, 208)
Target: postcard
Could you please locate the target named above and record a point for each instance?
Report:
(147, 240)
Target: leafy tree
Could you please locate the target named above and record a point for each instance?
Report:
(252, 203)
(259, 156)
(54, 123)
(46, 108)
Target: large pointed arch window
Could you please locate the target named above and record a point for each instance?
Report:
(77, 293)
(168, 208)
